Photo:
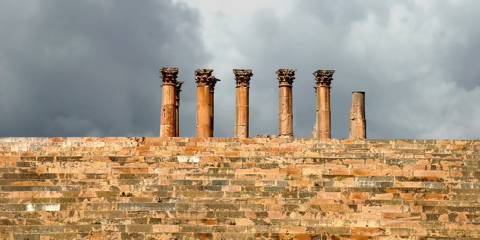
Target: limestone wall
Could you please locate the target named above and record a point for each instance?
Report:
(229, 188)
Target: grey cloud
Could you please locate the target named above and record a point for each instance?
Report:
(76, 68)
(457, 46)
(342, 14)
(91, 67)
(408, 65)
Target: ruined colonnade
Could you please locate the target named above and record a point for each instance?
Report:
(169, 117)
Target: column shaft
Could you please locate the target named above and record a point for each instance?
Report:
(212, 83)
(324, 113)
(317, 113)
(285, 120)
(241, 113)
(358, 123)
(204, 115)
(177, 107)
(212, 112)
(168, 115)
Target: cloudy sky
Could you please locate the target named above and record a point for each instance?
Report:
(90, 68)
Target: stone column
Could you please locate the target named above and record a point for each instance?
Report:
(358, 124)
(285, 108)
(168, 116)
(323, 80)
(242, 77)
(315, 125)
(212, 104)
(178, 89)
(203, 78)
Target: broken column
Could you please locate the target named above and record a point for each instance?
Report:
(323, 117)
(178, 89)
(168, 116)
(242, 78)
(358, 124)
(204, 78)
(285, 108)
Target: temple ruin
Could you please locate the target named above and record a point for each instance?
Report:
(169, 123)
(205, 187)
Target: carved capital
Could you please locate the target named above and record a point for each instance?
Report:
(212, 84)
(178, 88)
(242, 77)
(323, 77)
(203, 77)
(169, 75)
(286, 77)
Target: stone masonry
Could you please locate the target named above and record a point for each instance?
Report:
(238, 188)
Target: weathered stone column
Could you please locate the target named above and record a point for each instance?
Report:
(315, 125)
(178, 89)
(285, 108)
(242, 77)
(168, 116)
(203, 78)
(212, 104)
(358, 124)
(323, 80)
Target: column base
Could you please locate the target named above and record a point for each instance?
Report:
(285, 135)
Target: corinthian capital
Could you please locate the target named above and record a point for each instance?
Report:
(242, 76)
(213, 81)
(203, 77)
(324, 77)
(169, 75)
(286, 76)
(178, 87)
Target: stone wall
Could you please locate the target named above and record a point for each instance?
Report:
(230, 188)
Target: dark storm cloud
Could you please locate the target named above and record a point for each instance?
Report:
(87, 68)
(91, 67)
